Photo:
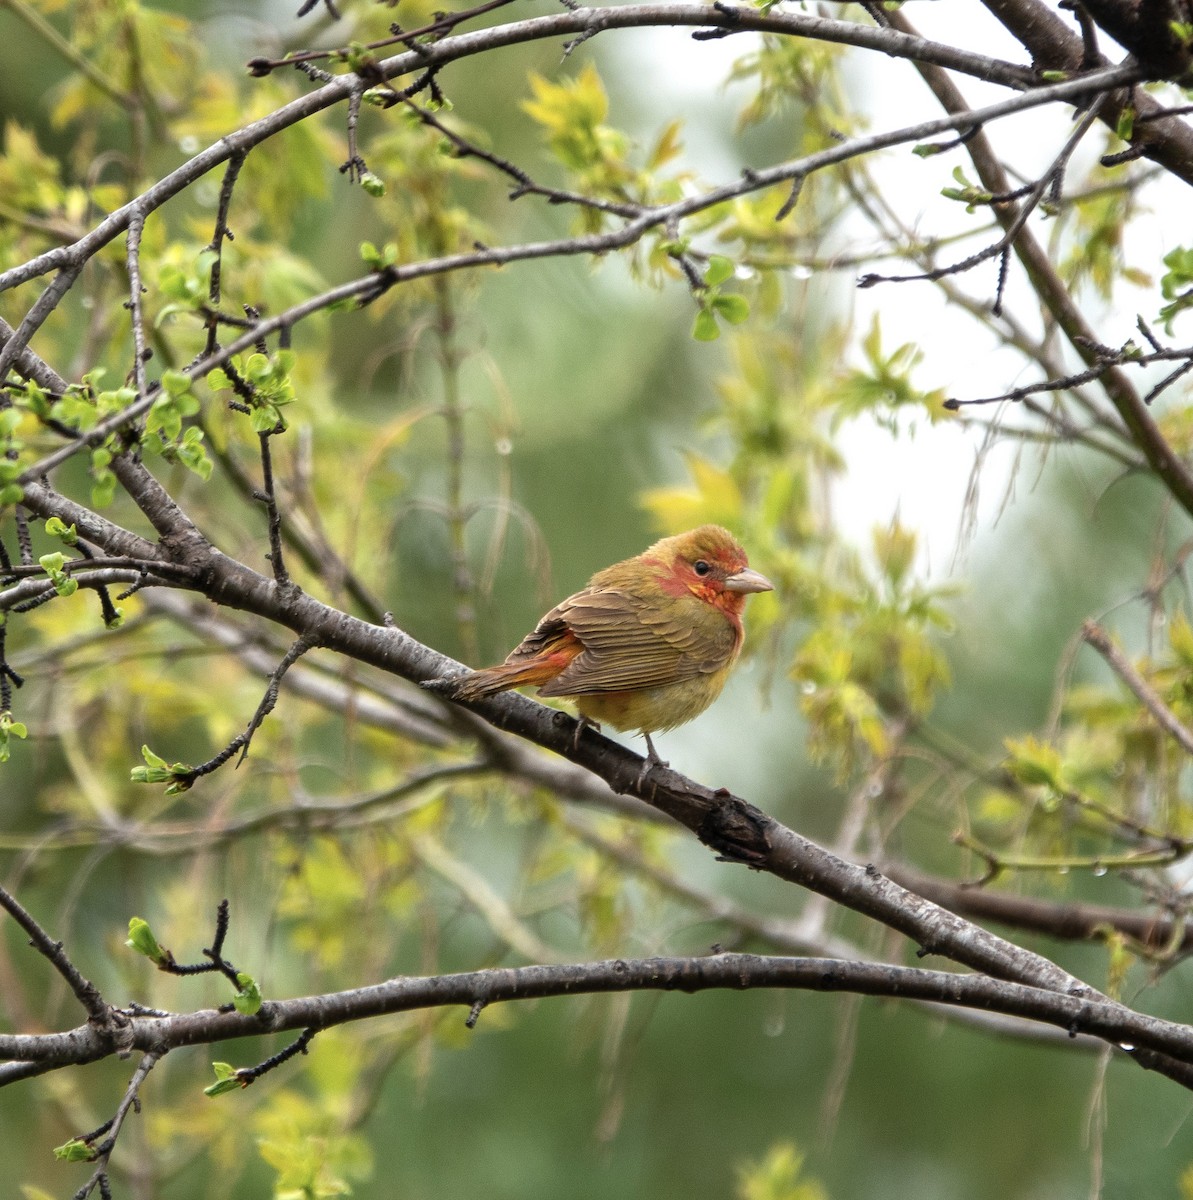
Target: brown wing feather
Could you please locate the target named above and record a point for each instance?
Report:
(552, 633)
(630, 642)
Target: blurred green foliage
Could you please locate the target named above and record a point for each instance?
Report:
(473, 446)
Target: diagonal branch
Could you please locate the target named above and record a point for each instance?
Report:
(1053, 44)
(1069, 920)
(1122, 666)
(1173, 472)
(129, 1102)
(735, 829)
(85, 991)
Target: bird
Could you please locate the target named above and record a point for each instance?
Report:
(647, 645)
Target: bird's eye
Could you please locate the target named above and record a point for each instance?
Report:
(701, 567)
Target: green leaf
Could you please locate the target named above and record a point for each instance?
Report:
(103, 478)
(9, 729)
(379, 259)
(719, 269)
(705, 327)
(734, 308)
(1180, 638)
(248, 999)
(74, 1151)
(157, 770)
(176, 383)
(226, 1079)
(53, 565)
(1177, 283)
(67, 534)
(374, 185)
(777, 1176)
(895, 548)
(141, 939)
(265, 419)
(225, 1085)
(193, 454)
(152, 759)
(1034, 763)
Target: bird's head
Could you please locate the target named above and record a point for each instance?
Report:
(710, 564)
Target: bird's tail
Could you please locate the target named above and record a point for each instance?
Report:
(476, 685)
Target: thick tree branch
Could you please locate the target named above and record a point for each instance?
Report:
(735, 829)
(1167, 464)
(1055, 45)
(1071, 920)
(156, 1034)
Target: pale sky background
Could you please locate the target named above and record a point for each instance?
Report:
(925, 476)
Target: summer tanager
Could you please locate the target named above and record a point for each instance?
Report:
(647, 645)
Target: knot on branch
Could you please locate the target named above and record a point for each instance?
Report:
(735, 830)
(115, 1027)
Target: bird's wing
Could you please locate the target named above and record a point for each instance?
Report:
(630, 642)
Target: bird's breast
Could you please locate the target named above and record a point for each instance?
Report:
(652, 709)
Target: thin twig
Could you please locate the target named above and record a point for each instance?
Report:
(247, 1075)
(268, 496)
(103, 1152)
(1122, 666)
(135, 290)
(243, 740)
(370, 287)
(1034, 194)
(219, 235)
(85, 991)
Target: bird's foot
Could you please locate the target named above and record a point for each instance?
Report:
(583, 723)
(652, 760)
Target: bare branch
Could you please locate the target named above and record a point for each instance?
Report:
(1070, 920)
(103, 1151)
(85, 991)
(1099, 639)
(370, 287)
(1139, 1035)
(558, 25)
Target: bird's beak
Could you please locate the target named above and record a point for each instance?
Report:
(747, 580)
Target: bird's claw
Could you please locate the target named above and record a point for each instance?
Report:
(644, 774)
(583, 723)
(652, 760)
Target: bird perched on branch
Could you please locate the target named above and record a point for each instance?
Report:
(647, 645)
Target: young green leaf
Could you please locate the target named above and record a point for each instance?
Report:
(705, 327)
(141, 939)
(248, 999)
(226, 1079)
